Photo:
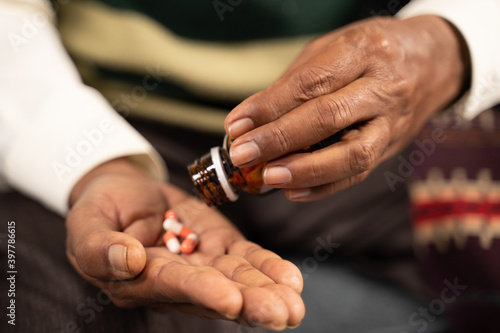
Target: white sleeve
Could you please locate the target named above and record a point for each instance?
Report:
(53, 128)
(479, 23)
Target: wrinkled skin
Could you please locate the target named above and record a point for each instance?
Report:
(381, 77)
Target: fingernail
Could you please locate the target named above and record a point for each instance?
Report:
(244, 153)
(239, 127)
(230, 316)
(277, 175)
(277, 327)
(117, 256)
(293, 327)
(299, 193)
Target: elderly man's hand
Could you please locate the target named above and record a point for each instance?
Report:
(114, 241)
(381, 77)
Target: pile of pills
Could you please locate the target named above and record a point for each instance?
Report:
(175, 230)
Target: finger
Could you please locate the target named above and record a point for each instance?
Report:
(279, 270)
(296, 307)
(319, 192)
(240, 270)
(355, 154)
(265, 308)
(308, 124)
(146, 230)
(341, 63)
(98, 250)
(168, 278)
(213, 243)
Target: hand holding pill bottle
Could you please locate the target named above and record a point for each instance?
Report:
(217, 180)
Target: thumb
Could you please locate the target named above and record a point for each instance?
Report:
(97, 249)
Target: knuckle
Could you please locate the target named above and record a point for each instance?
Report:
(356, 179)
(380, 46)
(333, 113)
(311, 82)
(362, 158)
(330, 189)
(397, 94)
(283, 140)
(272, 104)
(85, 250)
(374, 37)
(325, 116)
(262, 100)
(316, 174)
(360, 39)
(403, 90)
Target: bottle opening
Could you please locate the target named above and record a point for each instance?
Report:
(209, 178)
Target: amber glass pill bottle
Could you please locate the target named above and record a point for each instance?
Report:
(218, 180)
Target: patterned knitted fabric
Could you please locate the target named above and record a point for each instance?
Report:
(455, 166)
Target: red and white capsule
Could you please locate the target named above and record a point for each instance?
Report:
(189, 243)
(171, 242)
(171, 215)
(177, 228)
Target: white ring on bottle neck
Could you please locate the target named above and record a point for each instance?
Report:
(224, 144)
(221, 175)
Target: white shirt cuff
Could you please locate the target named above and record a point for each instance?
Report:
(479, 23)
(55, 151)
